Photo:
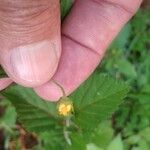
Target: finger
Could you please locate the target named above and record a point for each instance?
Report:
(87, 32)
(30, 40)
(4, 82)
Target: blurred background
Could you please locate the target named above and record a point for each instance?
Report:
(128, 59)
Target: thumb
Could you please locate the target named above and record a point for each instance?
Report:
(30, 40)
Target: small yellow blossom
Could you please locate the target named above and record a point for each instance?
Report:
(65, 108)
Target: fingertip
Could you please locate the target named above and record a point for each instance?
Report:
(31, 65)
(30, 42)
(76, 64)
(49, 91)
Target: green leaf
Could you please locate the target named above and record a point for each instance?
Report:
(146, 88)
(65, 7)
(127, 68)
(92, 146)
(116, 144)
(78, 142)
(143, 145)
(145, 134)
(143, 98)
(97, 99)
(53, 140)
(103, 134)
(9, 118)
(35, 114)
(134, 139)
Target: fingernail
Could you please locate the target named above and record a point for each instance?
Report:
(32, 65)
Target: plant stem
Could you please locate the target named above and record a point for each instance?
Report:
(66, 133)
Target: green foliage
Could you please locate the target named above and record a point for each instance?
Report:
(93, 102)
(35, 114)
(92, 146)
(100, 139)
(53, 139)
(103, 134)
(126, 67)
(97, 99)
(95, 124)
(8, 119)
(116, 144)
(132, 64)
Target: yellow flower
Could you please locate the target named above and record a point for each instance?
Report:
(65, 108)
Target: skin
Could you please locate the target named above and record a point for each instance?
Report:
(31, 51)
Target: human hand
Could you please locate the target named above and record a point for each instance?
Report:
(31, 48)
